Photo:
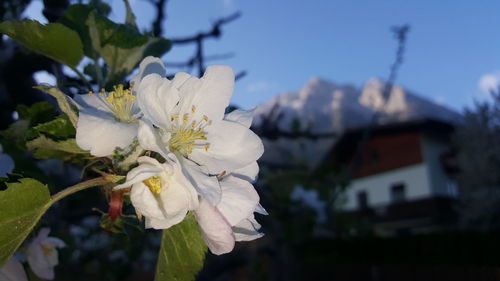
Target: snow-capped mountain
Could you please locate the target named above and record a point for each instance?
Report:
(324, 107)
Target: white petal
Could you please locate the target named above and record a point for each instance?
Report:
(54, 242)
(148, 65)
(249, 172)
(179, 177)
(232, 146)
(247, 230)
(38, 261)
(243, 117)
(6, 165)
(43, 234)
(145, 202)
(156, 97)
(207, 186)
(176, 200)
(261, 210)
(89, 102)
(149, 138)
(139, 173)
(180, 78)
(12, 271)
(216, 230)
(239, 199)
(210, 94)
(102, 134)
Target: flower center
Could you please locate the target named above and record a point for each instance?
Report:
(154, 184)
(46, 249)
(188, 134)
(121, 102)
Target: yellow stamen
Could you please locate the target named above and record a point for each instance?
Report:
(187, 135)
(90, 93)
(121, 101)
(154, 184)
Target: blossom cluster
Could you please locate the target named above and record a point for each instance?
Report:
(196, 157)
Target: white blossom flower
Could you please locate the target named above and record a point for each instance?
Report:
(185, 116)
(42, 254)
(160, 192)
(110, 120)
(6, 163)
(13, 271)
(232, 219)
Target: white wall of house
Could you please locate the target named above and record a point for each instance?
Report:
(432, 149)
(378, 187)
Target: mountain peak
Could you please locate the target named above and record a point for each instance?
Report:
(325, 107)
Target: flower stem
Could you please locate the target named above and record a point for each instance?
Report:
(84, 185)
(82, 77)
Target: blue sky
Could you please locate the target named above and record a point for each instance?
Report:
(284, 43)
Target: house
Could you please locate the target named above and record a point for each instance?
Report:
(399, 174)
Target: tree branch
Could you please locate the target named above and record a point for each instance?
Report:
(215, 32)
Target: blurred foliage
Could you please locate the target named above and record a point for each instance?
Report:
(477, 143)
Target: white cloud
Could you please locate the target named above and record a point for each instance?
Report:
(489, 82)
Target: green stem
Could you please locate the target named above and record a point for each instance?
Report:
(82, 77)
(98, 71)
(83, 185)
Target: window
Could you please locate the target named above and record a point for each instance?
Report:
(398, 193)
(362, 200)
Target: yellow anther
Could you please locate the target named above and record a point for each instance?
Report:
(205, 118)
(221, 175)
(193, 109)
(154, 184)
(90, 93)
(121, 101)
(207, 147)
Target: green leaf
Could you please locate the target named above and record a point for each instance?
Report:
(76, 17)
(123, 61)
(119, 35)
(122, 46)
(130, 17)
(37, 113)
(62, 102)
(67, 150)
(22, 205)
(182, 251)
(53, 40)
(59, 128)
(17, 131)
